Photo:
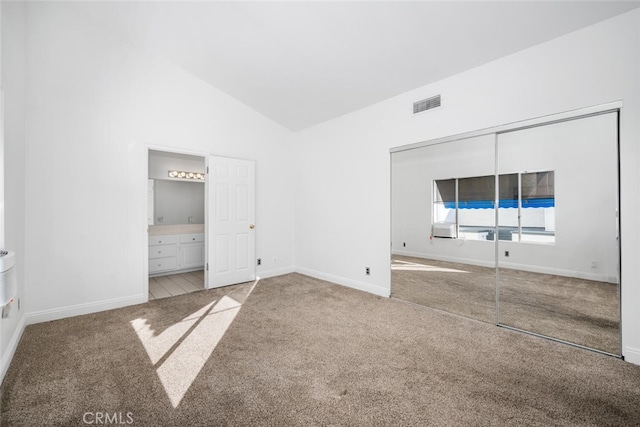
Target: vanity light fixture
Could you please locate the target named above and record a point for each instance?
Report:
(186, 175)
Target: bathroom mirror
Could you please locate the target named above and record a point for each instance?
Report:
(178, 202)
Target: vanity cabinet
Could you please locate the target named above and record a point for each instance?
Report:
(175, 253)
(191, 251)
(163, 253)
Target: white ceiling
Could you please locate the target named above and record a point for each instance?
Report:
(302, 63)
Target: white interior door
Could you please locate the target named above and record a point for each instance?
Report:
(230, 221)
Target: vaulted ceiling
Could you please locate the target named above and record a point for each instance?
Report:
(302, 63)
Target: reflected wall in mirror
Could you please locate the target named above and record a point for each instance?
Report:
(443, 223)
(558, 224)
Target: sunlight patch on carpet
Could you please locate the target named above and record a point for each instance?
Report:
(412, 266)
(180, 351)
(158, 345)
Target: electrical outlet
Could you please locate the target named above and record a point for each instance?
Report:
(367, 271)
(275, 260)
(259, 261)
(594, 264)
(506, 253)
(18, 304)
(404, 244)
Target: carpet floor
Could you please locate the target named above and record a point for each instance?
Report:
(293, 350)
(579, 311)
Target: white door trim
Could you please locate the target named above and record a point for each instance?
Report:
(145, 177)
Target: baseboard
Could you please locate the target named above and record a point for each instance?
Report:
(560, 272)
(361, 286)
(264, 274)
(632, 355)
(94, 307)
(436, 257)
(80, 309)
(524, 267)
(7, 357)
(167, 273)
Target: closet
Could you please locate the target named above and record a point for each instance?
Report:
(516, 226)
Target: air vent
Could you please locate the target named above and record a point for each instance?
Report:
(426, 104)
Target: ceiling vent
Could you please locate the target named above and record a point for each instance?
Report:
(426, 104)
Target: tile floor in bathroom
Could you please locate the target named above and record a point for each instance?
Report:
(175, 284)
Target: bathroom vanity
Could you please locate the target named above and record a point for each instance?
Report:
(176, 248)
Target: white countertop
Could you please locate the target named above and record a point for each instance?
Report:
(163, 230)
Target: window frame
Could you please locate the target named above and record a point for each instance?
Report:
(496, 206)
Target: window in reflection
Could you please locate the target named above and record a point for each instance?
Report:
(527, 207)
(476, 203)
(537, 213)
(444, 208)
(464, 207)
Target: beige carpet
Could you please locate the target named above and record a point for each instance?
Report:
(583, 312)
(462, 289)
(305, 352)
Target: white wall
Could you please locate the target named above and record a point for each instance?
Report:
(14, 167)
(2, 224)
(342, 185)
(582, 153)
(95, 104)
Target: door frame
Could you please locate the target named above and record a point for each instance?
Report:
(144, 180)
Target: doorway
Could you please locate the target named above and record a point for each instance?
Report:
(176, 223)
(201, 220)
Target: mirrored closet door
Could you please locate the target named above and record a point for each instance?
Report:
(443, 226)
(518, 228)
(558, 231)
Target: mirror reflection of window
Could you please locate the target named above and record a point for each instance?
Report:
(526, 207)
(509, 193)
(476, 200)
(537, 215)
(444, 208)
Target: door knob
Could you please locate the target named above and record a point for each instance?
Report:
(252, 226)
